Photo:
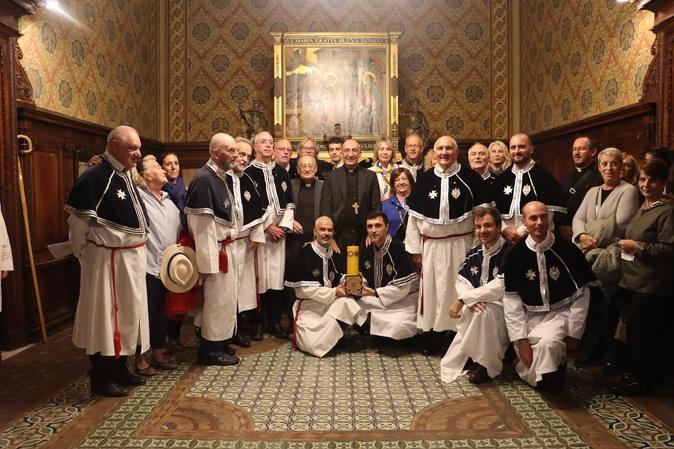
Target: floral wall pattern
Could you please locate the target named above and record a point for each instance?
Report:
(580, 58)
(453, 58)
(99, 65)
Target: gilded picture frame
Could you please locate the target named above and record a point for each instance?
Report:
(336, 84)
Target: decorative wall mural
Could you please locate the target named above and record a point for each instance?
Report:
(581, 58)
(99, 65)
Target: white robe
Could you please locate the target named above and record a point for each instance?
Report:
(218, 315)
(394, 313)
(317, 312)
(6, 262)
(545, 331)
(271, 257)
(246, 295)
(481, 335)
(94, 324)
(441, 262)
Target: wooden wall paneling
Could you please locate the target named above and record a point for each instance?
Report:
(630, 129)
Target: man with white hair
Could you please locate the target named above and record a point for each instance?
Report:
(478, 159)
(439, 234)
(108, 229)
(273, 183)
(211, 219)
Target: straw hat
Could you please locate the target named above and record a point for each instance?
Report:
(178, 270)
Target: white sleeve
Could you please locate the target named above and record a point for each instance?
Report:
(324, 295)
(390, 294)
(269, 217)
(202, 227)
(413, 243)
(580, 219)
(515, 316)
(6, 262)
(287, 219)
(491, 292)
(78, 228)
(257, 233)
(578, 309)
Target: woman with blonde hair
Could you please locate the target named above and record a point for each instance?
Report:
(384, 164)
(629, 171)
(499, 157)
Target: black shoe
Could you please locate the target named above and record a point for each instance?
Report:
(278, 332)
(613, 367)
(353, 344)
(630, 386)
(219, 359)
(242, 341)
(554, 382)
(257, 334)
(109, 390)
(128, 379)
(478, 375)
(228, 349)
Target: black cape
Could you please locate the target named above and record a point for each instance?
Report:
(109, 197)
(463, 189)
(561, 274)
(208, 194)
(575, 185)
(479, 268)
(247, 201)
(511, 192)
(273, 185)
(314, 267)
(391, 265)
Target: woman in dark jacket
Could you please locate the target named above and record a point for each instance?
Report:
(401, 185)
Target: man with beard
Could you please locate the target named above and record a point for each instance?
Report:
(212, 222)
(525, 181)
(322, 310)
(478, 159)
(481, 334)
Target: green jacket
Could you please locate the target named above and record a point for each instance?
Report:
(651, 270)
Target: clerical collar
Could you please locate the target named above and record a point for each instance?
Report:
(496, 247)
(114, 162)
(451, 170)
(218, 171)
(308, 184)
(545, 245)
(581, 169)
(351, 170)
(524, 169)
(324, 253)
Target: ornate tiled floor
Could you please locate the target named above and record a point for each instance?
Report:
(281, 398)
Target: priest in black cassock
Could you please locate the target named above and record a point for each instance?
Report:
(322, 310)
(212, 222)
(349, 194)
(392, 283)
(546, 300)
(576, 182)
(525, 181)
(306, 190)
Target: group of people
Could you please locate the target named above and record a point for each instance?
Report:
(479, 256)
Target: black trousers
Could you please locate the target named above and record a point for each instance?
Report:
(156, 296)
(274, 304)
(105, 368)
(648, 345)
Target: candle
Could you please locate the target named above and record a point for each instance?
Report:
(352, 261)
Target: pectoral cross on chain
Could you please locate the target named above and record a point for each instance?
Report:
(356, 207)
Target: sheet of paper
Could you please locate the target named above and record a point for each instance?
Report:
(60, 250)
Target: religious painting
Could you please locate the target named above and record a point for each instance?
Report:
(341, 83)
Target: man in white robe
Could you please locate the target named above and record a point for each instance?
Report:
(439, 234)
(273, 183)
(322, 309)
(392, 290)
(481, 330)
(546, 300)
(108, 228)
(212, 223)
(250, 216)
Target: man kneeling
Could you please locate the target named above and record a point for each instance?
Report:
(546, 300)
(481, 331)
(321, 298)
(392, 289)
